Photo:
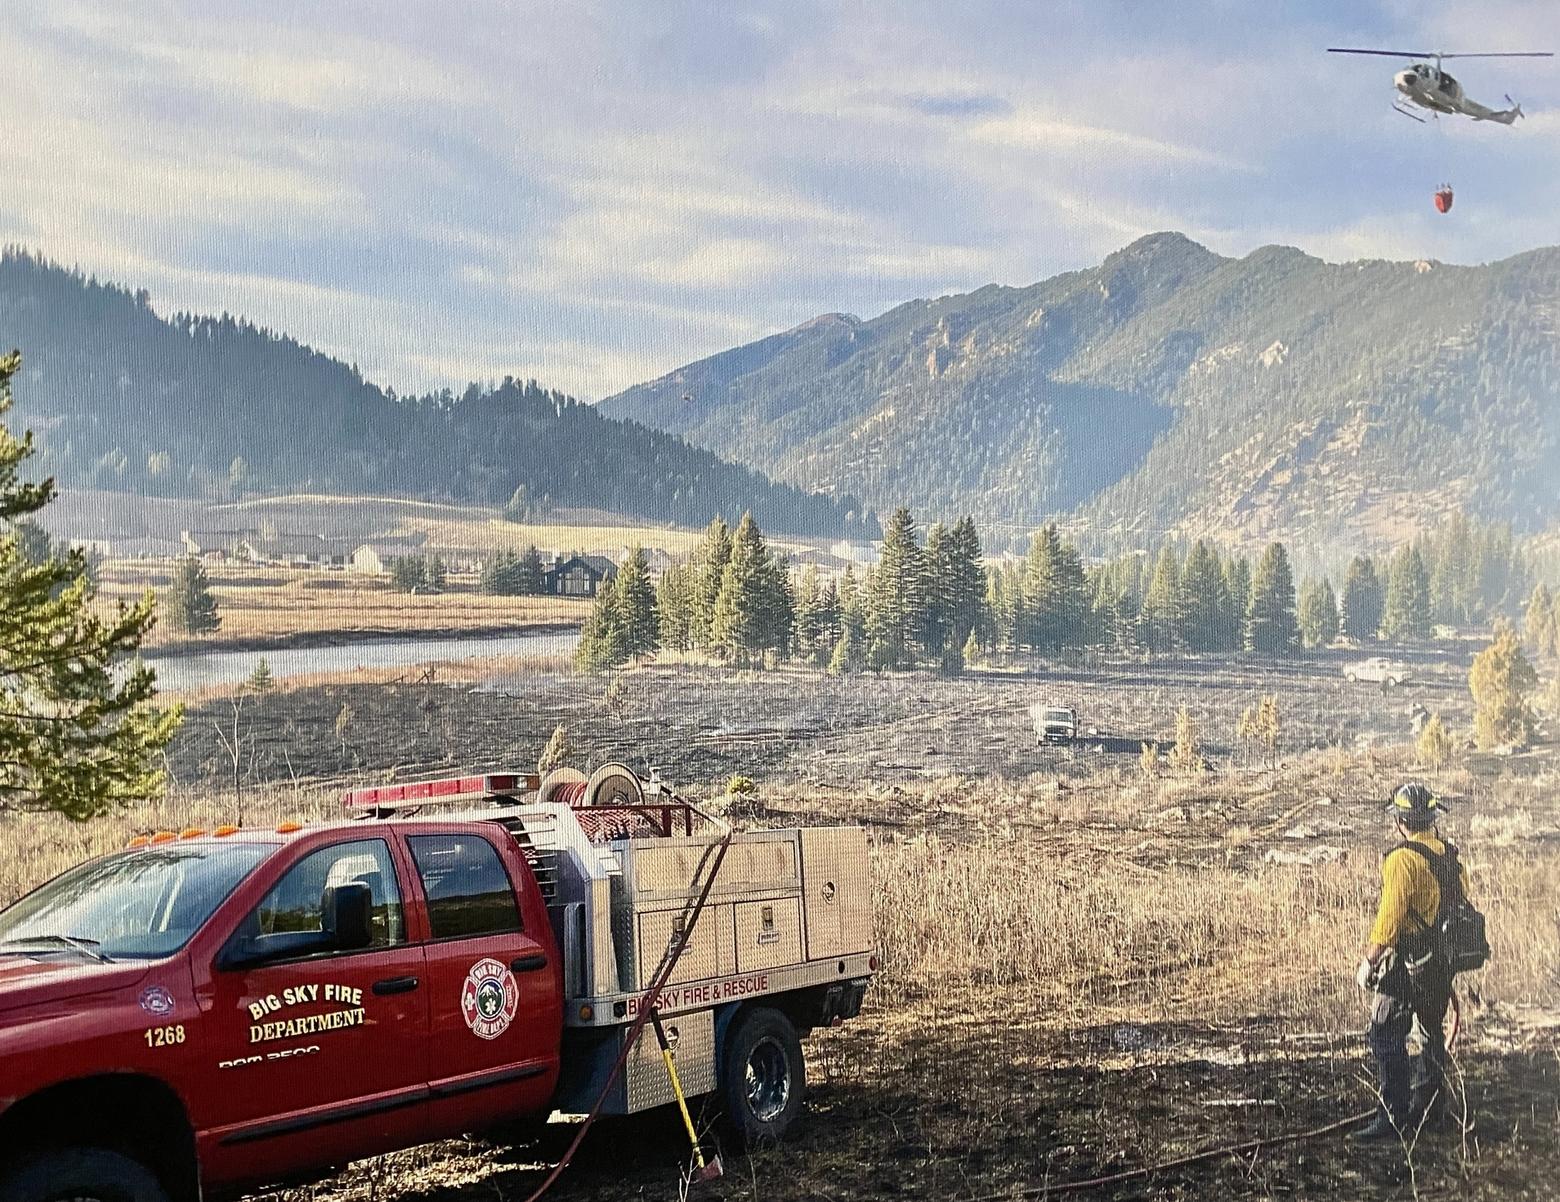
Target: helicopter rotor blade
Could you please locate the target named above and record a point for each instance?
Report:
(1436, 54)
(1384, 53)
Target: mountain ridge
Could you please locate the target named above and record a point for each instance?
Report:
(1169, 388)
(216, 407)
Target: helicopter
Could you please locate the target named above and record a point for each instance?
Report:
(1424, 84)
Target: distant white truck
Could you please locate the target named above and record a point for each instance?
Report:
(1378, 669)
(1053, 723)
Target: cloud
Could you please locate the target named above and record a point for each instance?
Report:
(586, 192)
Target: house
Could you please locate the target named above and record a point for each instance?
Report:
(374, 558)
(214, 544)
(657, 559)
(294, 551)
(135, 548)
(579, 575)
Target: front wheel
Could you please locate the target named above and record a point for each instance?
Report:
(81, 1175)
(1351, 677)
(763, 1077)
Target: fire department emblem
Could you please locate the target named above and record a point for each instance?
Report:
(489, 999)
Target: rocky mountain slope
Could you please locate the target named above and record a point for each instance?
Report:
(1168, 388)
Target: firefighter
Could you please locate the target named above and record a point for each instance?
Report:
(1408, 974)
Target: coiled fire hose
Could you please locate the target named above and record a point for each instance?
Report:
(1250, 1145)
(713, 856)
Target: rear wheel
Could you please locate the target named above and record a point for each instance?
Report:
(763, 1077)
(80, 1175)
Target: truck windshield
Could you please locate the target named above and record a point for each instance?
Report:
(138, 904)
(1058, 715)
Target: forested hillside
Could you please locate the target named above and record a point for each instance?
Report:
(1167, 390)
(122, 398)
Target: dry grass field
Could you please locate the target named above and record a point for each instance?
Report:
(1083, 973)
(277, 607)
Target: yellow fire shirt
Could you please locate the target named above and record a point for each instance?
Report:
(1409, 887)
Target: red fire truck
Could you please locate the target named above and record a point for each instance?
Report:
(209, 1011)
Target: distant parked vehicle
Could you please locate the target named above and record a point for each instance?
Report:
(1378, 669)
(1054, 723)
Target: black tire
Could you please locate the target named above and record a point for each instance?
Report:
(80, 1173)
(763, 1084)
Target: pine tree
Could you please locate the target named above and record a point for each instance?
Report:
(896, 601)
(601, 637)
(1185, 757)
(1237, 585)
(1205, 599)
(1406, 615)
(809, 596)
(529, 576)
(78, 733)
(708, 571)
(1539, 622)
(964, 582)
(1318, 613)
(408, 573)
(751, 603)
(435, 572)
(191, 608)
(673, 601)
(1363, 600)
(634, 606)
(1271, 626)
(829, 623)
(1501, 679)
(261, 680)
(1163, 619)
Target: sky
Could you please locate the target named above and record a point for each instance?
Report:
(593, 194)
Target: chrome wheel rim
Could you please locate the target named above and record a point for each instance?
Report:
(768, 1079)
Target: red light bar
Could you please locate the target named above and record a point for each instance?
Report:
(390, 796)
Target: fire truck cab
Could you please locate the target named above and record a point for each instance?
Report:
(214, 1011)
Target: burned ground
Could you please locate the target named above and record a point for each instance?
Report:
(699, 726)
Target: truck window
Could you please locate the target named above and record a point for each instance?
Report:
(296, 905)
(135, 904)
(468, 891)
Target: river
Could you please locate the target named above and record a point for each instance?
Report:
(191, 671)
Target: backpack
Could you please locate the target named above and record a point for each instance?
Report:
(1457, 934)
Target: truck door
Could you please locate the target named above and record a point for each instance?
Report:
(494, 990)
(318, 1054)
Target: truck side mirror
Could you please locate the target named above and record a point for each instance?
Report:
(348, 916)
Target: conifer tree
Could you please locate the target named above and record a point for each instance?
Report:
(529, 576)
(672, 603)
(78, 733)
(828, 621)
(708, 569)
(896, 599)
(261, 680)
(1205, 599)
(1406, 615)
(190, 607)
(1162, 622)
(408, 573)
(634, 606)
(1237, 586)
(1318, 613)
(601, 637)
(808, 598)
(964, 581)
(1501, 679)
(1363, 600)
(1539, 622)
(752, 609)
(1271, 625)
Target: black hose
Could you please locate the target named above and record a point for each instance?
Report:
(646, 1006)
